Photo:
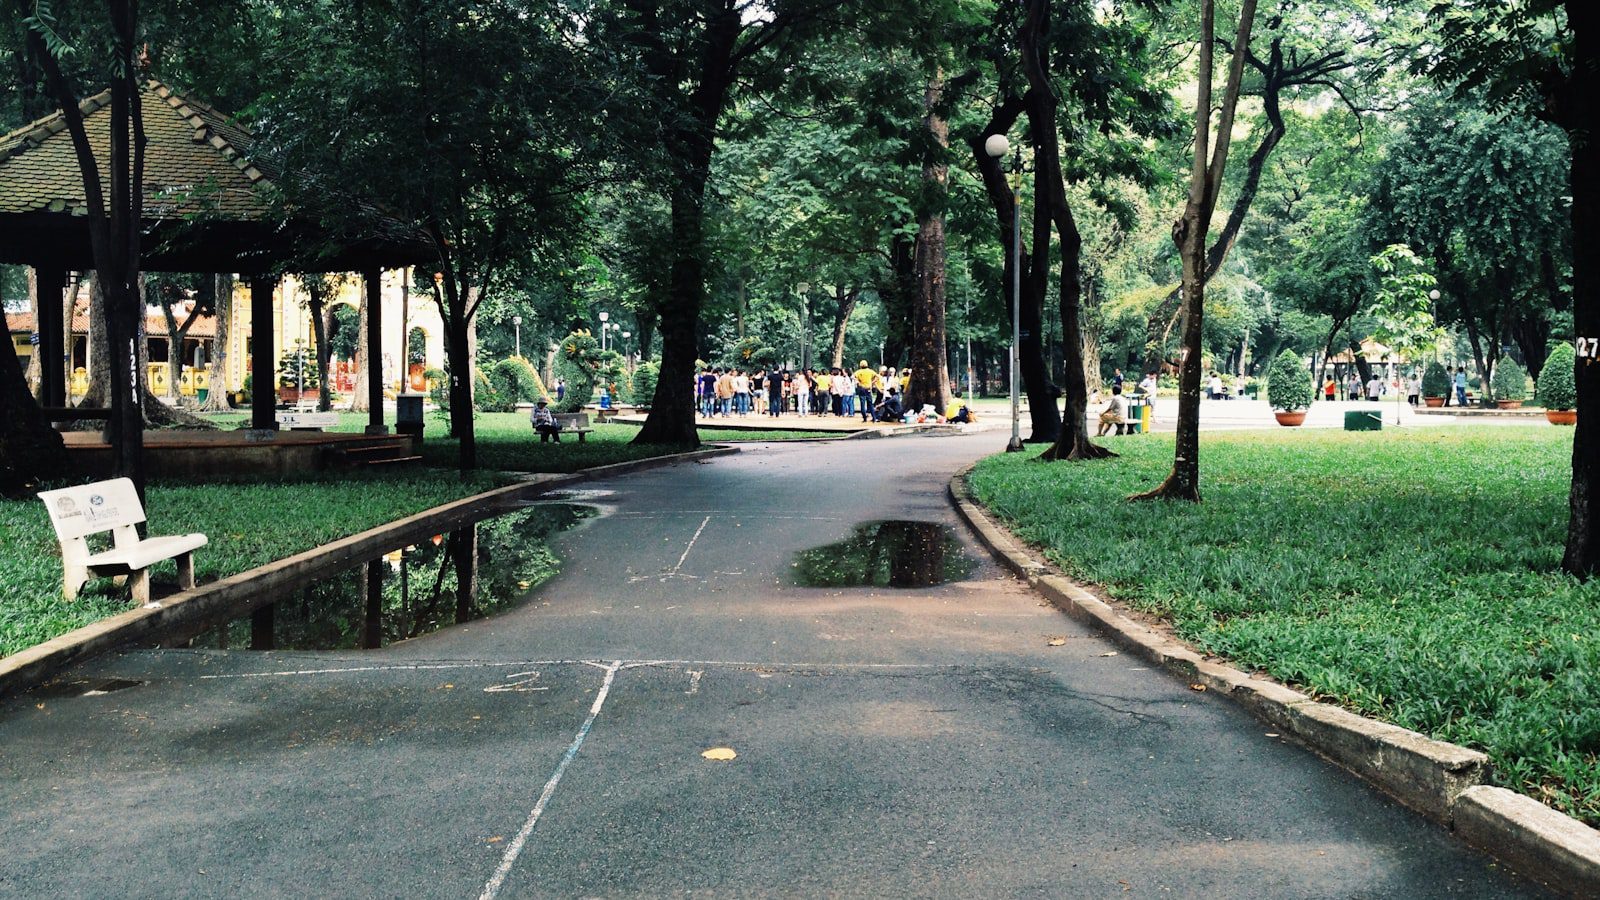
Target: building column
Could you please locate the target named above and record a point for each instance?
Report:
(263, 364)
(50, 283)
(374, 284)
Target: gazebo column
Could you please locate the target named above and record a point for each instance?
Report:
(263, 364)
(51, 282)
(373, 279)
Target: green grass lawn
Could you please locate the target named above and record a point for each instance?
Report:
(1410, 575)
(248, 525)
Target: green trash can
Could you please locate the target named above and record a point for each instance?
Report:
(1363, 420)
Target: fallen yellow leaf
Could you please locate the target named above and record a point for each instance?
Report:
(1197, 687)
(1056, 641)
(720, 753)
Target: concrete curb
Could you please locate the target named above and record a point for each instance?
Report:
(1441, 780)
(236, 595)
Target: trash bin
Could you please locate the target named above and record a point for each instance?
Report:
(1363, 420)
(201, 395)
(408, 414)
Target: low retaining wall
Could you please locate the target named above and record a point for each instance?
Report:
(208, 605)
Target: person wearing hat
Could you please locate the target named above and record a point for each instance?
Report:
(864, 378)
(544, 422)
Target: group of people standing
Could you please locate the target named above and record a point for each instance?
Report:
(867, 392)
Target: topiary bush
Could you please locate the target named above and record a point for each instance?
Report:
(644, 383)
(1435, 380)
(1288, 383)
(516, 380)
(486, 397)
(577, 361)
(1510, 381)
(1558, 387)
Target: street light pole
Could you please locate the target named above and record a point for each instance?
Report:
(516, 322)
(604, 317)
(802, 289)
(997, 146)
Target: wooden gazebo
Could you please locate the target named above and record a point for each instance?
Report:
(206, 209)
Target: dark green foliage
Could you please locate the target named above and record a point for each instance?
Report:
(644, 382)
(1288, 383)
(1557, 388)
(1295, 567)
(516, 381)
(486, 397)
(1510, 381)
(577, 361)
(1435, 380)
(298, 368)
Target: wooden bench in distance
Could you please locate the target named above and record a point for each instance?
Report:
(113, 506)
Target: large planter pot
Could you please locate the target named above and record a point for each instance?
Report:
(290, 395)
(1433, 402)
(1562, 416)
(1508, 404)
(1297, 417)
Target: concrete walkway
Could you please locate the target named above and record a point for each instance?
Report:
(955, 741)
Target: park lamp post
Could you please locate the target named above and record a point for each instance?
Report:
(997, 147)
(604, 317)
(516, 322)
(626, 356)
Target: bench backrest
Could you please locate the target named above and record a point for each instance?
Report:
(573, 420)
(77, 512)
(308, 419)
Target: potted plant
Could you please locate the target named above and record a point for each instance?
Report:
(298, 377)
(1558, 389)
(1289, 389)
(1435, 385)
(1510, 384)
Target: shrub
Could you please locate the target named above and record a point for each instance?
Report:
(486, 397)
(438, 387)
(516, 380)
(1435, 380)
(577, 361)
(1288, 383)
(1509, 380)
(644, 383)
(298, 368)
(1558, 388)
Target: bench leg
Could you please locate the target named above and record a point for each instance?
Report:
(186, 572)
(141, 586)
(73, 579)
(582, 435)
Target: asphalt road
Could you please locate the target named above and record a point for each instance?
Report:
(889, 742)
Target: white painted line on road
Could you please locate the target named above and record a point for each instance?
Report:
(498, 879)
(673, 572)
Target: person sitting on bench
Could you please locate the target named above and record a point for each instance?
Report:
(544, 422)
(1114, 413)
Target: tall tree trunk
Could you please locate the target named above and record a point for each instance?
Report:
(845, 304)
(896, 294)
(1072, 440)
(1189, 235)
(219, 379)
(317, 306)
(930, 376)
(1582, 554)
(671, 418)
(33, 376)
(30, 450)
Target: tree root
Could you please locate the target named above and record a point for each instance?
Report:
(1171, 489)
(1082, 450)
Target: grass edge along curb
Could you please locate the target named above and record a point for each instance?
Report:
(238, 594)
(1441, 780)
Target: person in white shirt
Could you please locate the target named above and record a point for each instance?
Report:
(801, 389)
(741, 392)
(1113, 416)
(1374, 388)
(1214, 387)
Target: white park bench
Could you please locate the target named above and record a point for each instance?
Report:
(318, 420)
(77, 512)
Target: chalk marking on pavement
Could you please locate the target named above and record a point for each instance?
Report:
(396, 668)
(498, 879)
(694, 681)
(517, 686)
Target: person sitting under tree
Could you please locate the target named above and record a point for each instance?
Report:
(544, 422)
(1114, 414)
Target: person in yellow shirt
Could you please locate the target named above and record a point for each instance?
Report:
(864, 378)
(821, 397)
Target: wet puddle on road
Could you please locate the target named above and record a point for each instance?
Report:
(464, 575)
(891, 553)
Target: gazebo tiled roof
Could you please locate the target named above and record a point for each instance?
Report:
(206, 203)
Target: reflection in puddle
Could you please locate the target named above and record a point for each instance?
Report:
(467, 574)
(886, 554)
